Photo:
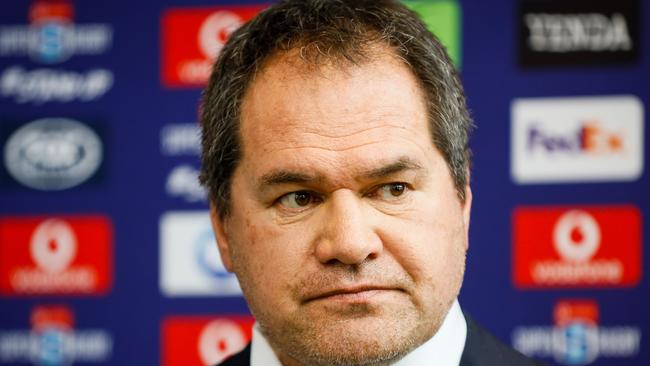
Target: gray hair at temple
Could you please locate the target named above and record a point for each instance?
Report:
(329, 31)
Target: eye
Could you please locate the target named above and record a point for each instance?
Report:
(392, 190)
(297, 199)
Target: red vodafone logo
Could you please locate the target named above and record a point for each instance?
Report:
(192, 39)
(203, 341)
(53, 246)
(594, 246)
(62, 255)
(219, 339)
(576, 236)
(216, 30)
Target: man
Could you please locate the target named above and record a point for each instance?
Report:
(336, 158)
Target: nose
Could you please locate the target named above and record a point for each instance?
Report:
(346, 235)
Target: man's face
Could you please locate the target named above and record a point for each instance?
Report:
(346, 232)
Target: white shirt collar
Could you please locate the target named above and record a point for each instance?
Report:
(445, 348)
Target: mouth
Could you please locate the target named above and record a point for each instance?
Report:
(360, 294)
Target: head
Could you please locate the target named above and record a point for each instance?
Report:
(336, 159)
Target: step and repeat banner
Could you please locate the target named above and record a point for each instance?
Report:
(106, 251)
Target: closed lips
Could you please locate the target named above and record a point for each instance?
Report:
(362, 290)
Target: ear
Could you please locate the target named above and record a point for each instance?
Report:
(467, 209)
(220, 232)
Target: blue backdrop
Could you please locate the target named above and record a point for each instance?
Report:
(112, 82)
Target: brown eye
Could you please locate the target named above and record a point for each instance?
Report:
(397, 189)
(391, 190)
(297, 199)
(302, 198)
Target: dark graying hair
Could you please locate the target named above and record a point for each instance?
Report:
(329, 30)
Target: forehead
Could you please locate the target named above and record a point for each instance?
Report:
(293, 110)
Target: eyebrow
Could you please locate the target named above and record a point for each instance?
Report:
(283, 177)
(279, 177)
(403, 163)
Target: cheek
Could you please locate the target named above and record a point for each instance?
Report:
(427, 244)
(266, 257)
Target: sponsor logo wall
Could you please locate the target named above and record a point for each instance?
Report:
(54, 57)
(107, 254)
(563, 143)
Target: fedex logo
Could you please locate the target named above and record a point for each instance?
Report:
(595, 246)
(203, 341)
(192, 39)
(57, 255)
(587, 139)
(576, 336)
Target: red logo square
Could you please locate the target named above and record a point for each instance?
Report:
(569, 310)
(69, 255)
(192, 39)
(204, 340)
(591, 246)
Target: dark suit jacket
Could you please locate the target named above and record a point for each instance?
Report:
(481, 349)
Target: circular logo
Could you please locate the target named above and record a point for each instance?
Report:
(576, 343)
(52, 41)
(220, 339)
(576, 236)
(53, 347)
(215, 31)
(207, 255)
(53, 154)
(53, 245)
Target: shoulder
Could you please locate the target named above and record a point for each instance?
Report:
(484, 349)
(242, 358)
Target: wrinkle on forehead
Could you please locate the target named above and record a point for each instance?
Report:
(332, 139)
(345, 127)
(334, 117)
(286, 76)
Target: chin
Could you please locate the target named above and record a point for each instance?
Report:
(355, 348)
(353, 341)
